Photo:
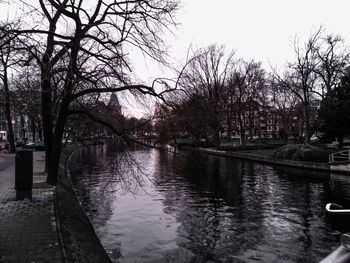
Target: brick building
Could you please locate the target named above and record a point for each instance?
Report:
(265, 121)
(255, 119)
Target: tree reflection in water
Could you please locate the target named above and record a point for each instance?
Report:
(202, 208)
(99, 171)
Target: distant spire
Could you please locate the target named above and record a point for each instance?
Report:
(114, 104)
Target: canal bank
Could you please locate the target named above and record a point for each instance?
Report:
(324, 167)
(80, 241)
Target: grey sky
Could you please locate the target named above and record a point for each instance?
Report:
(257, 29)
(263, 30)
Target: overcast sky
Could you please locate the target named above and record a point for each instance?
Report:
(257, 29)
(263, 30)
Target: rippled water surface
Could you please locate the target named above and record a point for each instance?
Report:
(156, 206)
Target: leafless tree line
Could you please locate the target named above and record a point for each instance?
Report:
(79, 49)
(217, 87)
(72, 51)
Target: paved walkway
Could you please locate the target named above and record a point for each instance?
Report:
(28, 228)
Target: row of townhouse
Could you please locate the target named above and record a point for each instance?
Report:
(265, 121)
(22, 127)
(3, 127)
(25, 116)
(29, 129)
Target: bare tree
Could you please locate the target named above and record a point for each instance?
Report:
(205, 76)
(81, 49)
(7, 62)
(333, 57)
(301, 79)
(318, 68)
(27, 98)
(284, 102)
(245, 84)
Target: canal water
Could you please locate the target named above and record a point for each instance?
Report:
(149, 205)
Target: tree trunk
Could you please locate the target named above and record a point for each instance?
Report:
(57, 135)
(40, 130)
(217, 138)
(55, 154)
(250, 131)
(241, 132)
(54, 161)
(10, 135)
(32, 122)
(47, 120)
(229, 125)
(306, 124)
(46, 94)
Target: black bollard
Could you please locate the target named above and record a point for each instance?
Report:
(24, 174)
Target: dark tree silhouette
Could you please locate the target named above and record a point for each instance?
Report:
(300, 78)
(81, 49)
(335, 111)
(27, 98)
(205, 76)
(245, 85)
(332, 59)
(8, 60)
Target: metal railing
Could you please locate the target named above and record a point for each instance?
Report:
(340, 157)
(342, 253)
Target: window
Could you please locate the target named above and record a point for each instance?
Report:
(269, 128)
(269, 122)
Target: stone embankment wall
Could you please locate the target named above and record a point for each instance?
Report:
(341, 168)
(79, 238)
(266, 159)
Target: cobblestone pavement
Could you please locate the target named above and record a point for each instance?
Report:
(28, 228)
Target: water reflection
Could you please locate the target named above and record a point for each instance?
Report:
(199, 208)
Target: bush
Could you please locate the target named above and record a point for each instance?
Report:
(300, 152)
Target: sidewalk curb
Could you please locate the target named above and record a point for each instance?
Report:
(58, 229)
(91, 240)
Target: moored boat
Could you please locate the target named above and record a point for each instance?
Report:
(336, 209)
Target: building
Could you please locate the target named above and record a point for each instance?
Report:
(266, 121)
(84, 127)
(114, 105)
(3, 127)
(255, 119)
